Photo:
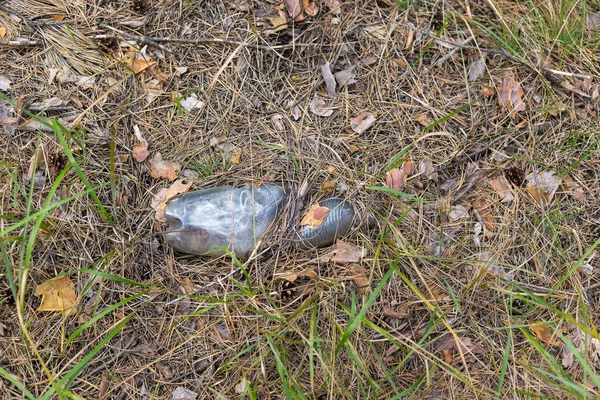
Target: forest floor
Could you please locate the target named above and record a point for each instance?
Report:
(468, 129)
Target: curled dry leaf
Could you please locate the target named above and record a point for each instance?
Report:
(486, 213)
(317, 106)
(510, 95)
(328, 186)
(4, 83)
(182, 393)
(574, 188)
(477, 69)
(543, 186)
(329, 79)
(137, 61)
(159, 202)
(545, 333)
(500, 185)
(343, 253)
(295, 112)
(362, 122)
(310, 8)
(458, 212)
(315, 216)
(335, 7)
(463, 344)
(424, 119)
(293, 8)
(2, 32)
(346, 77)
(277, 120)
(140, 152)
(191, 103)
(58, 294)
(427, 170)
(390, 312)
(360, 280)
(163, 169)
(278, 22)
(487, 91)
(396, 178)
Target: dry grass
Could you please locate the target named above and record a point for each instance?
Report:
(337, 340)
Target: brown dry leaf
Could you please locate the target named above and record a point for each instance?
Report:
(57, 17)
(163, 169)
(329, 79)
(335, 7)
(362, 122)
(490, 263)
(360, 280)
(278, 22)
(574, 188)
(295, 113)
(457, 212)
(292, 276)
(188, 286)
(502, 188)
(346, 77)
(543, 186)
(477, 69)
(390, 312)
(317, 106)
(310, 8)
(487, 91)
(423, 119)
(236, 156)
(483, 208)
(328, 186)
(277, 120)
(377, 31)
(223, 332)
(510, 95)
(343, 253)
(159, 202)
(315, 216)
(463, 344)
(137, 61)
(396, 178)
(140, 152)
(58, 294)
(293, 8)
(427, 170)
(410, 39)
(544, 333)
(2, 31)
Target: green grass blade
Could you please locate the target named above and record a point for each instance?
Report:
(8, 376)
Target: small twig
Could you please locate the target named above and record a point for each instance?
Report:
(19, 42)
(138, 38)
(452, 52)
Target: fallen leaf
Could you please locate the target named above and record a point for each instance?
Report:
(424, 119)
(140, 152)
(2, 31)
(58, 294)
(181, 70)
(543, 186)
(544, 333)
(567, 357)
(510, 95)
(310, 8)
(477, 69)
(593, 21)
(491, 265)
(278, 22)
(223, 332)
(390, 312)
(360, 280)
(343, 253)
(396, 178)
(192, 102)
(190, 174)
(376, 31)
(486, 91)
(315, 216)
(4, 83)
(182, 393)
(574, 188)
(329, 79)
(243, 386)
(410, 39)
(57, 17)
(292, 276)
(463, 344)
(45, 104)
(295, 113)
(457, 212)
(362, 122)
(335, 7)
(236, 156)
(500, 185)
(137, 61)
(293, 284)
(487, 217)
(346, 77)
(293, 8)
(370, 60)
(317, 107)
(277, 122)
(163, 169)
(427, 170)
(159, 201)
(328, 186)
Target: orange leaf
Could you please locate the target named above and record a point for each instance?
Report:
(2, 31)
(58, 294)
(396, 178)
(163, 169)
(545, 333)
(315, 216)
(140, 152)
(344, 253)
(159, 202)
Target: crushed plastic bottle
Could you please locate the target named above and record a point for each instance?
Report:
(205, 221)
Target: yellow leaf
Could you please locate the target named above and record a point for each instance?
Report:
(315, 216)
(2, 31)
(545, 333)
(57, 17)
(58, 294)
